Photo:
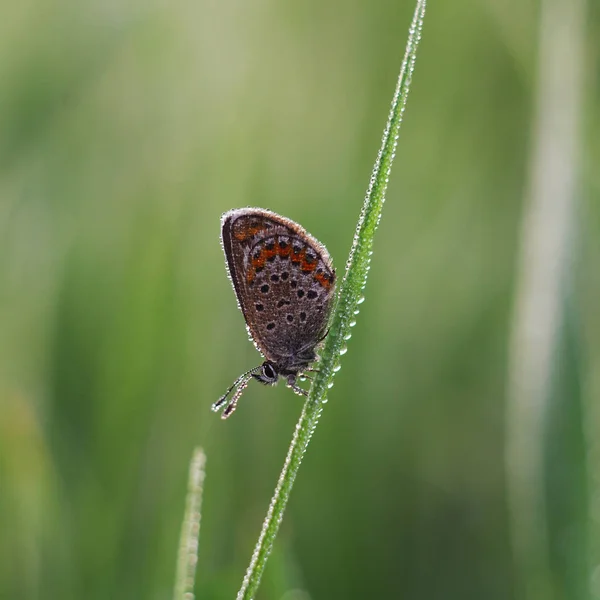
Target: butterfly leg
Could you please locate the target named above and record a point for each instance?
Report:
(324, 336)
(291, 383)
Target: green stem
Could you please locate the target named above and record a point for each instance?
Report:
(349, 297)
(190, 530)
(544, 286)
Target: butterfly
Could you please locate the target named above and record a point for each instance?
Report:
(284, 282)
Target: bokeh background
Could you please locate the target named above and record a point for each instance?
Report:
(126, 129)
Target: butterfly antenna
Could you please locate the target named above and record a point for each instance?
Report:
(234, 399)
(242, 381)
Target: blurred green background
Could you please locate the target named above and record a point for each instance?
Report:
(126, 129)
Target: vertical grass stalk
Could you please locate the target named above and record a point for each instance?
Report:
(543, 287)
(350, 295)
(190, 530)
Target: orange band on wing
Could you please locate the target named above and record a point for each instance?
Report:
(308, 267)
(260, 260)
(298, 257)
(283, 251)
(269, 253)
(242, 233)
(324, 280)
(263, 256)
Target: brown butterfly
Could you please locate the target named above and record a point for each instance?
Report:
(284, 282)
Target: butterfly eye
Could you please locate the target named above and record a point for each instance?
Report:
(269, 371)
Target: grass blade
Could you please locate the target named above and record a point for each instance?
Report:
(350, 295)
(190, 530)
(543, 287)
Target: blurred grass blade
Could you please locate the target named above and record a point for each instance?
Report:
(543, 287)
(190, 529)
(344, 314)
(565, 462)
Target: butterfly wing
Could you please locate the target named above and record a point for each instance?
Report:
(283, 279)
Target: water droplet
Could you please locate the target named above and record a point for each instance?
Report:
(330, 385)
(360, 300)
(352, 323)
(347, 336)
(336, 368)
(343, 350)
(356, 311)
